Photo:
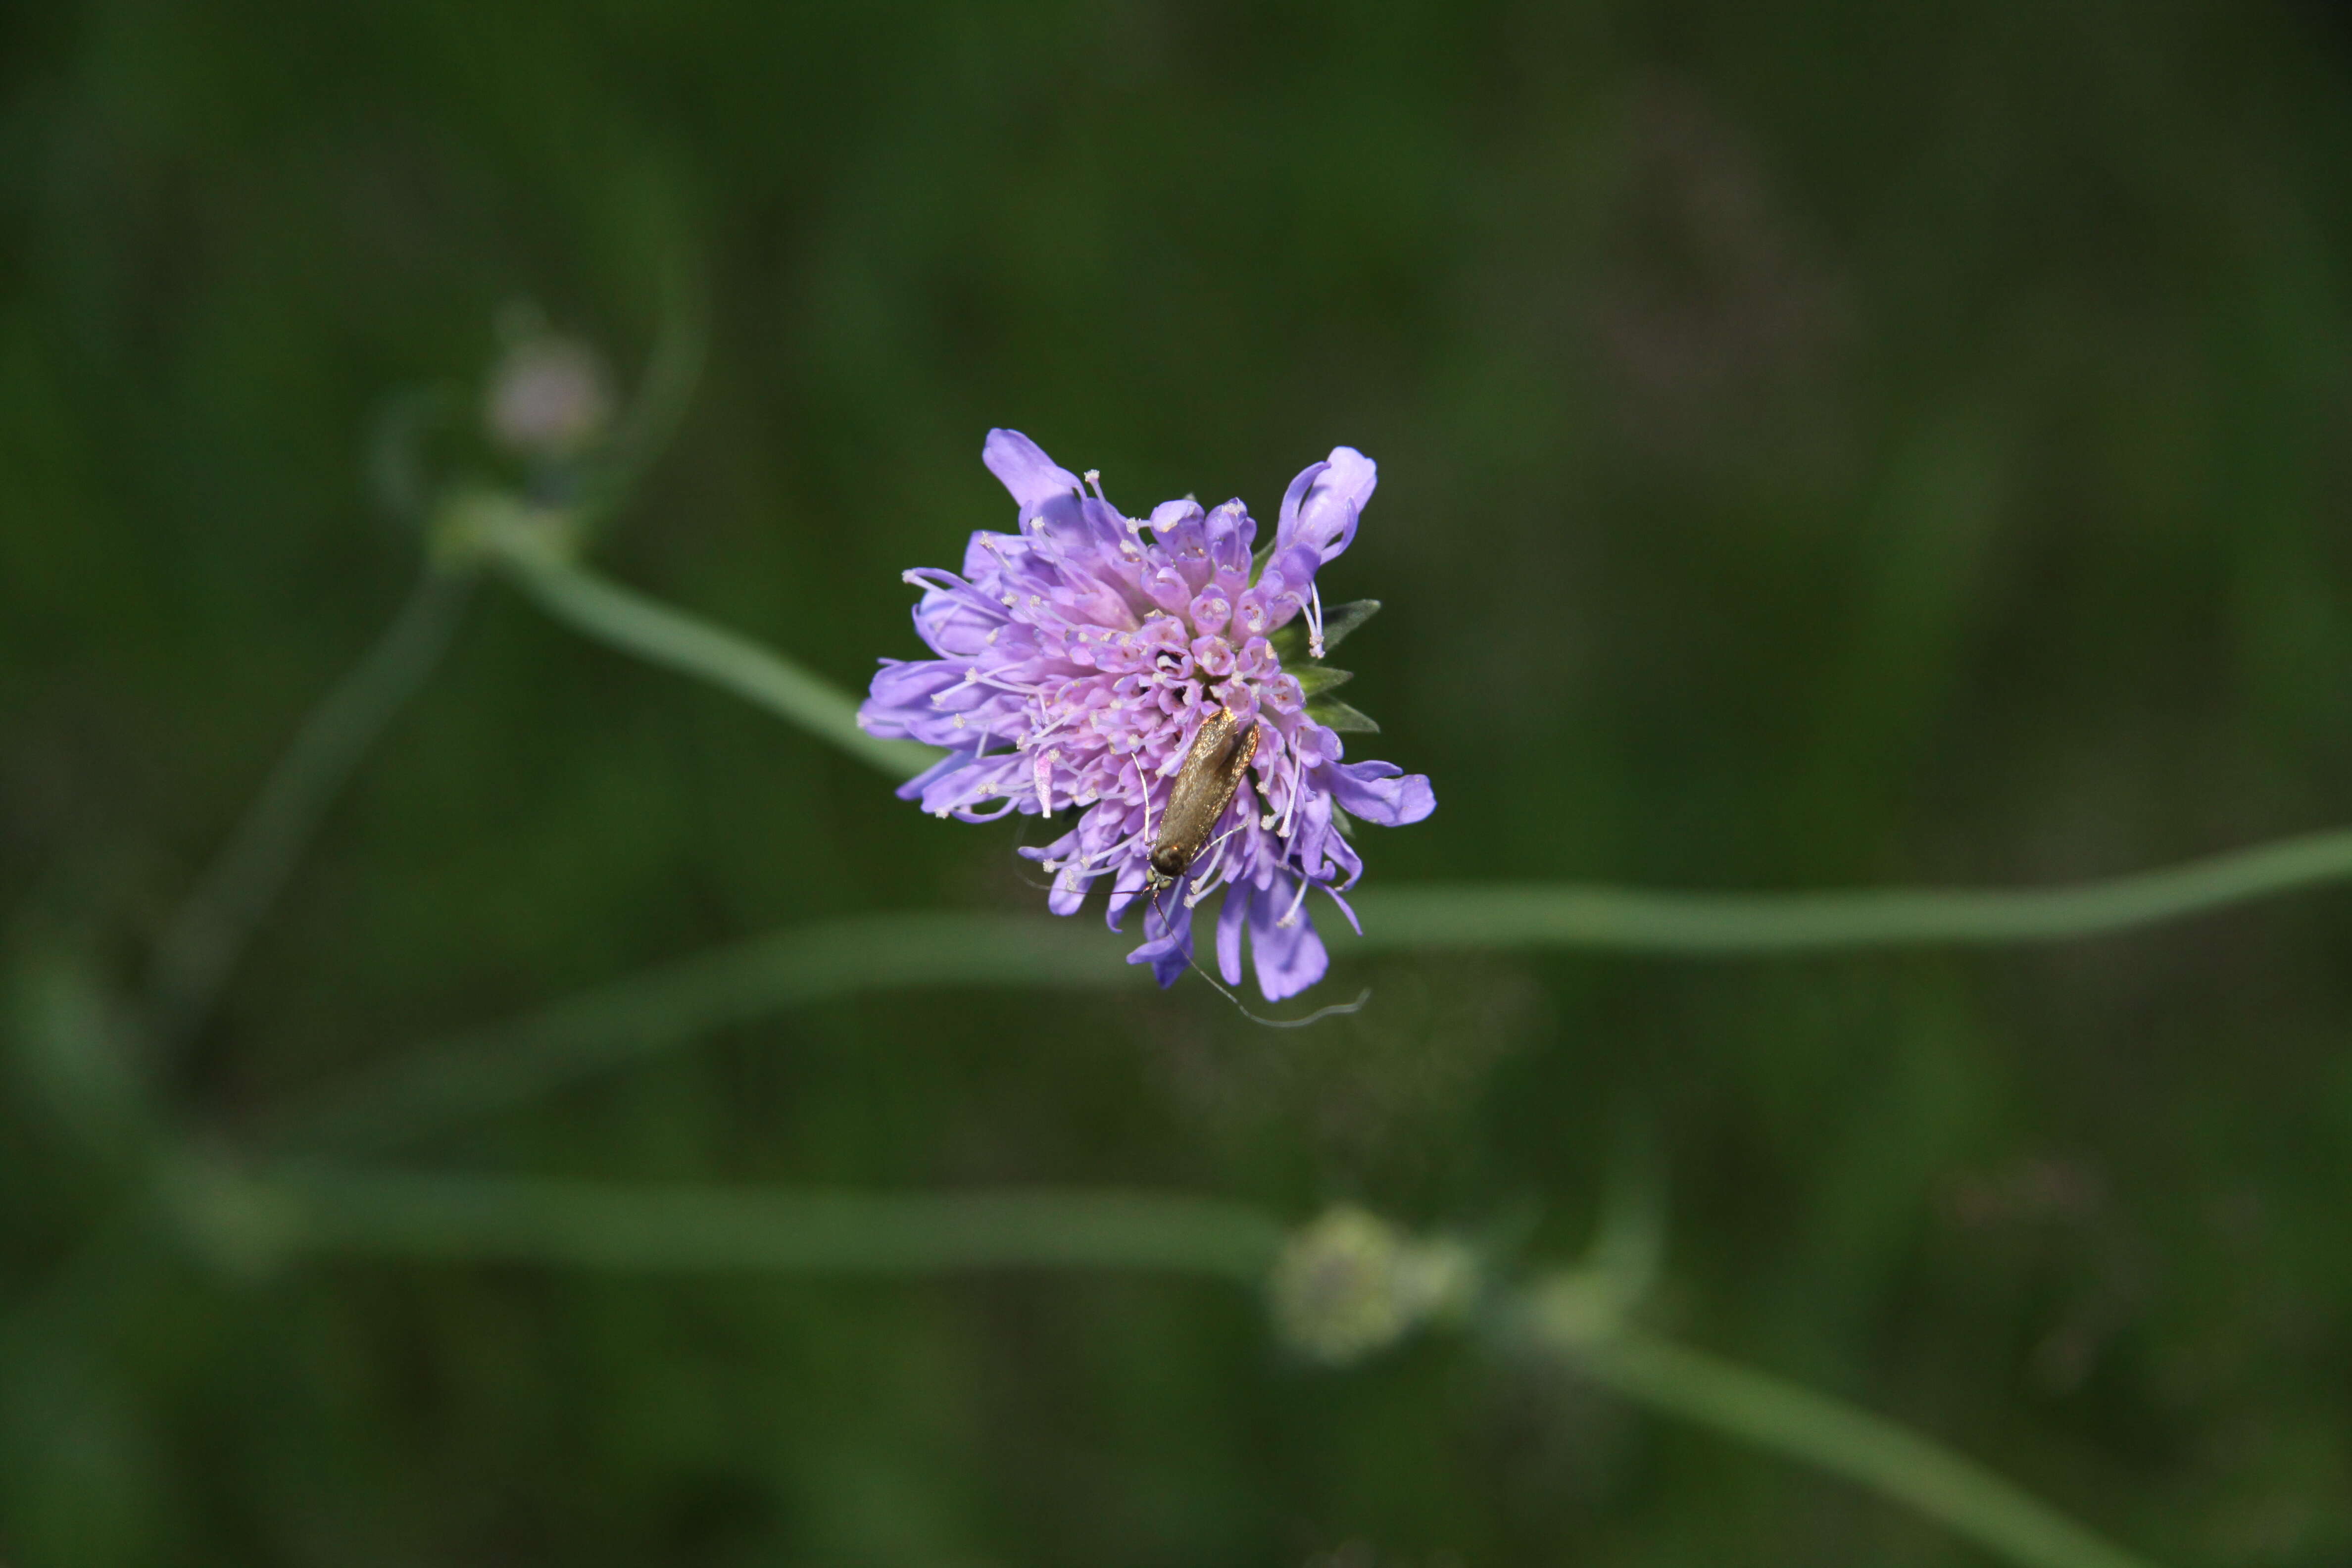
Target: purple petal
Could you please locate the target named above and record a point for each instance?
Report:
(1376, 793)
(1068, 895)
(1171, 954)
(955, 626)
(913, 682)
(1232, 531)
(914, 787)
(1296, 564)
(1325, 500)
(1231, 917)
(1286, 520)
(1061, 848)
(1353, 475)
(985, 555)
(1022, 466)
(1290, 957)
(998, 778)
(1339, 857)
(1168, 514)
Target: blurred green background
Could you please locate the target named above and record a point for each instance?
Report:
(1821, 445)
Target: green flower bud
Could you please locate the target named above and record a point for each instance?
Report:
(1351, 1283)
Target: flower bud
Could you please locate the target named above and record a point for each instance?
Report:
(549, 397)
(1351, 1283)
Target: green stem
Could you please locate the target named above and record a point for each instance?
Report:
(500, 1065)
(1890, 1459)
(1571, 916)
(504, 1065)
(661, 400)
(608, 1225)
(653, 631)
(1626, 920)
(200, 948)
(327, 1211)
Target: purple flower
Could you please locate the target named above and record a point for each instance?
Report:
(1079, 659)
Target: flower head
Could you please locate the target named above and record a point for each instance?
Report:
(1162, 677)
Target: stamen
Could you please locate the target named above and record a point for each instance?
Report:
(1205, 883)
(1042, 770)
(1203, 877)
(1290, 915)
(1143, 790)
(1313, 620)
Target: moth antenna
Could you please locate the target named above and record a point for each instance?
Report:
(1317, 1016)
(1155, 906)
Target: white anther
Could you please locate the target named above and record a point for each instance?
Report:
(1041, 770)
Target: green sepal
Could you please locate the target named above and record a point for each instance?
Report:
(1334, 714)
(1314, 680)
(1290, 639)
(1341, 620)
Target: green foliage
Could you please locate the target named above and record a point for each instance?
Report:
(1821, 446)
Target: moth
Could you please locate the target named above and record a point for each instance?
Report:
(1222, 752)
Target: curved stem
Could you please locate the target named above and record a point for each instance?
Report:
(1569, 916)
(593, 1224)
(247, 1218)
(1623, 919)
(1956, 1492)
(653, 631)
(507, 1064)
(201, 947)
(679, 349)
(503, 1065)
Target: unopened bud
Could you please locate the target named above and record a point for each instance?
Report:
(549, 397)
(1351, 1283)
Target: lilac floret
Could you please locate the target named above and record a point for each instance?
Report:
(1077, 658)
